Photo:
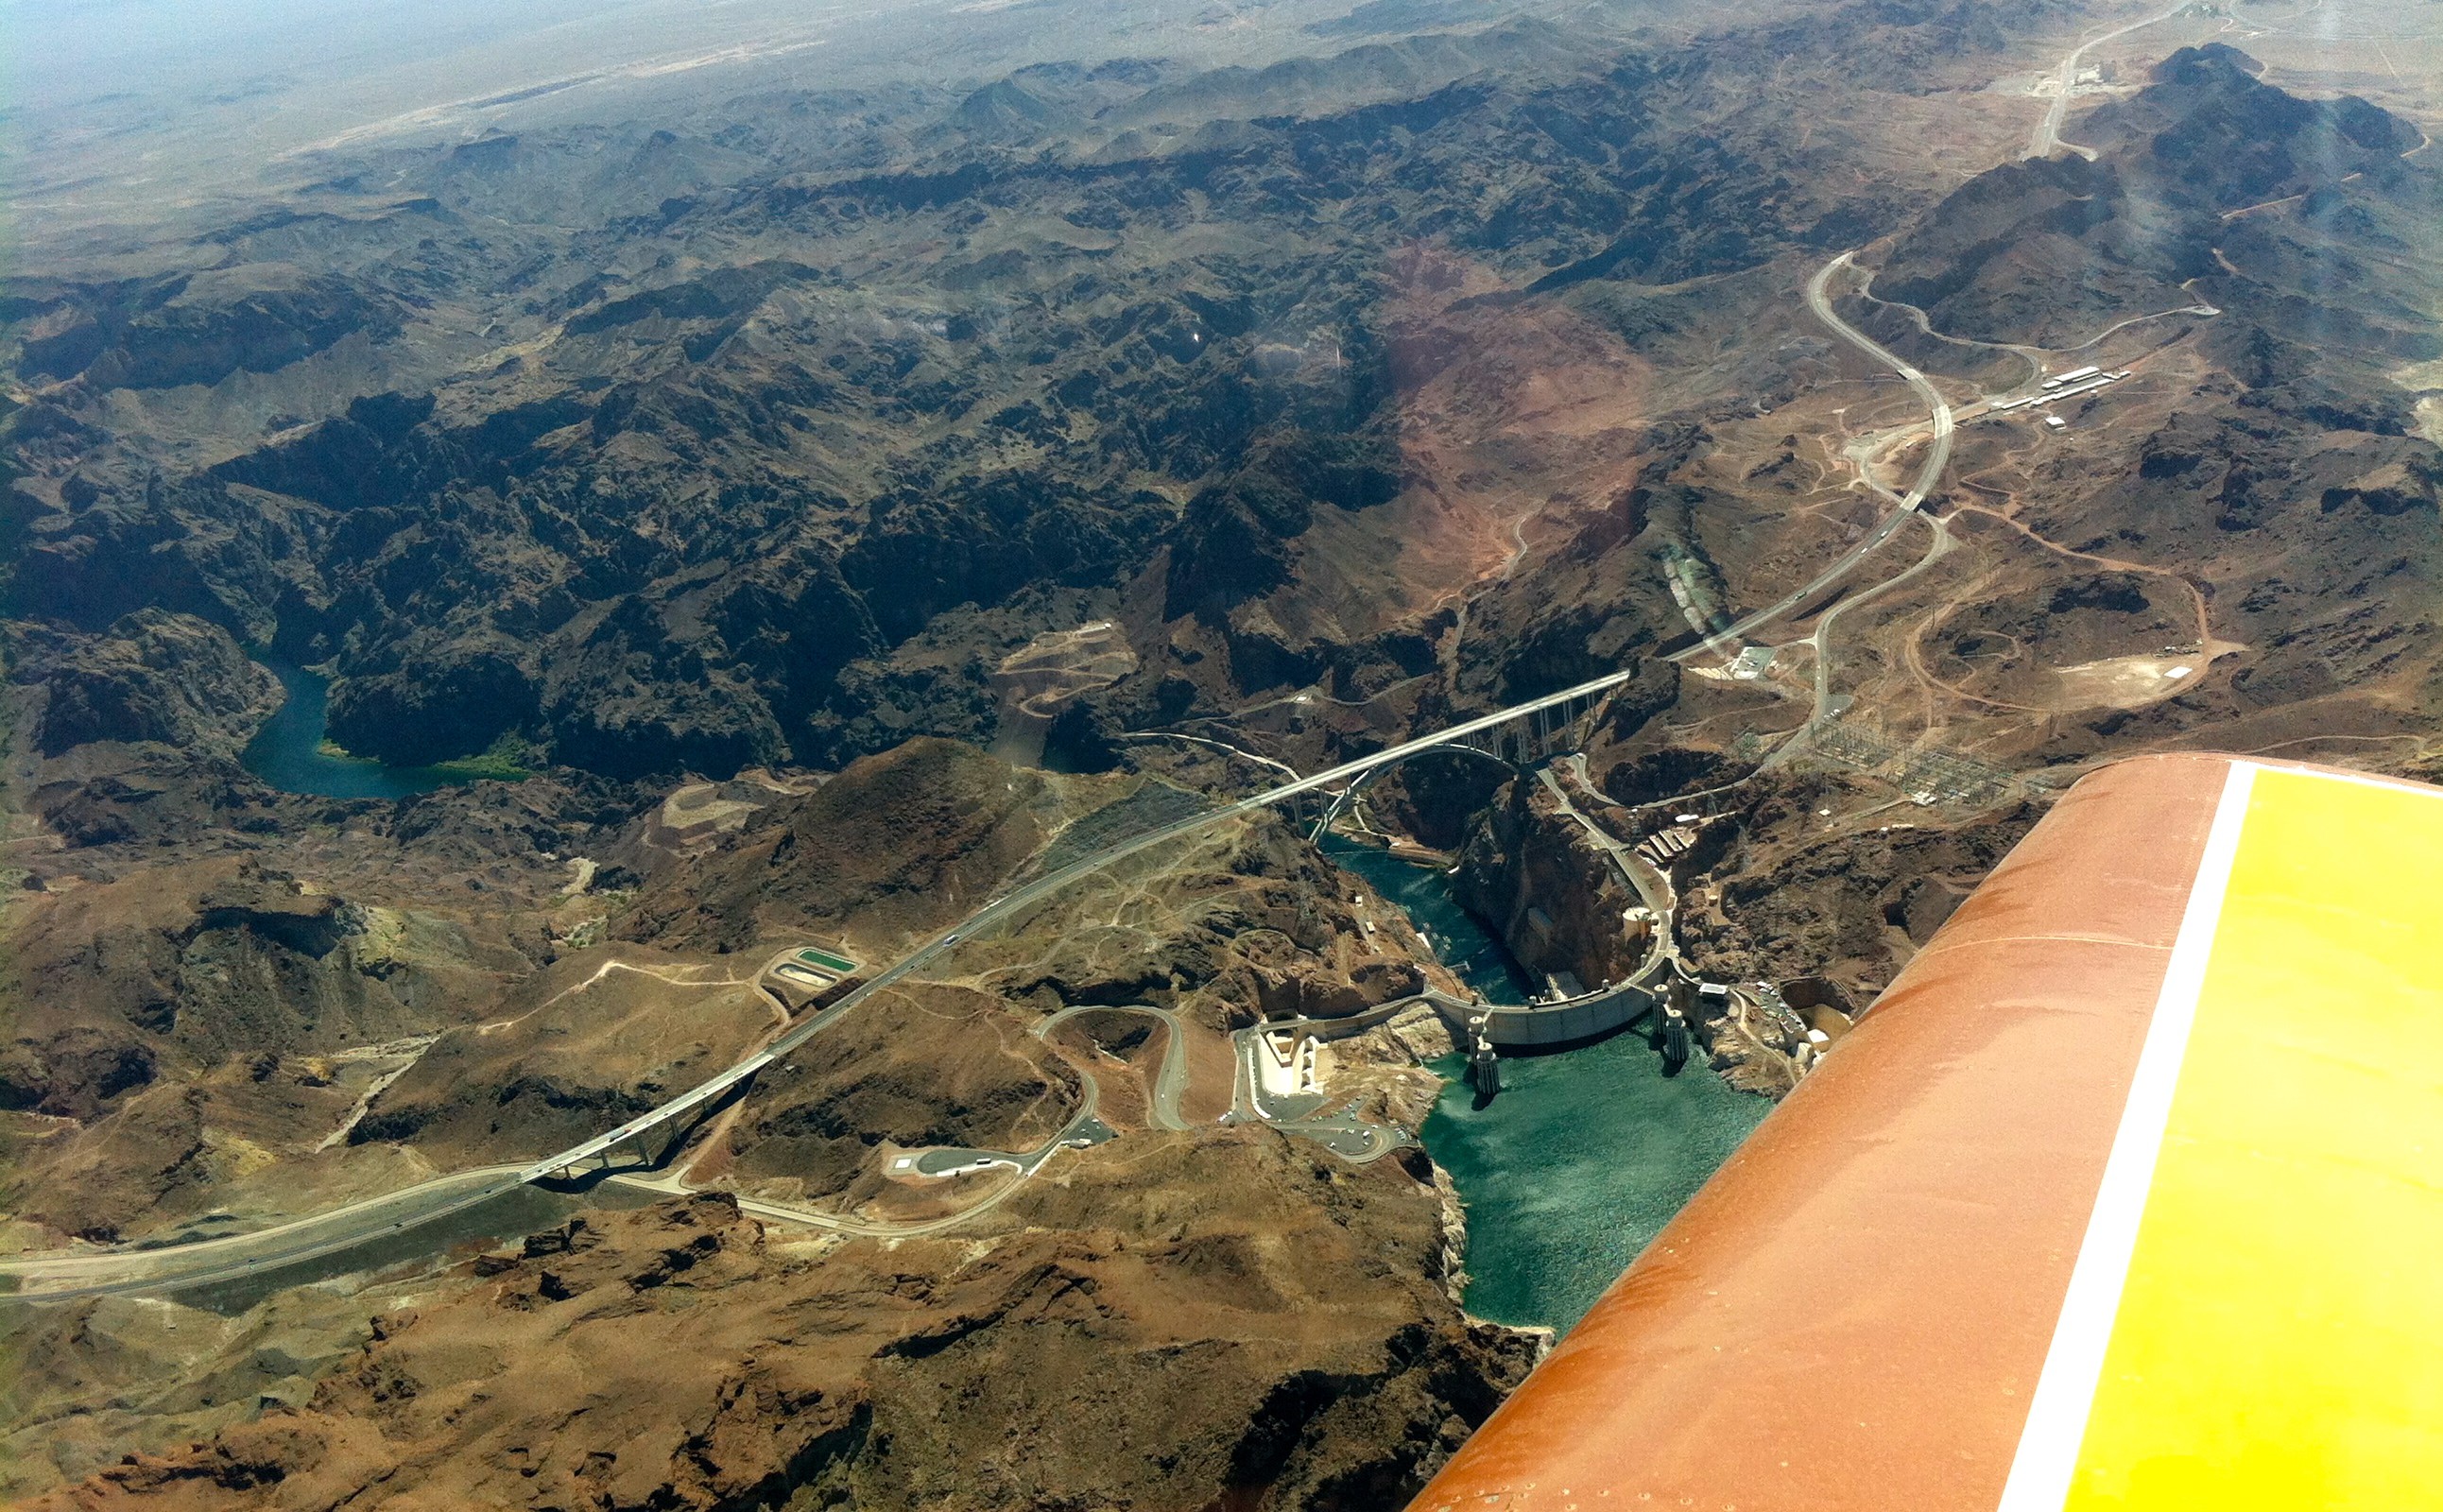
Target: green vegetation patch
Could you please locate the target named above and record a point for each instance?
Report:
(506, 761)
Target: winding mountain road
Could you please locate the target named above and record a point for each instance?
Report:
(1938, 457)
(1170, 1083)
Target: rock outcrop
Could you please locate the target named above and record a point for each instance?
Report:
(152, 676)
(1554, 894)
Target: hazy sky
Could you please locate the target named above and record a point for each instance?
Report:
(76, 49)
(113, 101)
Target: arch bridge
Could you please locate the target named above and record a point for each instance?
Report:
(1517, 744)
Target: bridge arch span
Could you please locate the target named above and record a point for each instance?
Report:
(1347, 796)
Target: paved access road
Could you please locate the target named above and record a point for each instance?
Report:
(2048, 134)
(1821, 640)
(1344, 1133)
(1170, 1083)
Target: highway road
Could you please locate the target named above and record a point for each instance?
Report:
(1937, 457)
(298, 1237)
(2048, 134)
(1821, 640)
(1018, 900)
(235, 1256)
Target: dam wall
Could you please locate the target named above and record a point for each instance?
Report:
(1510, 1025)
(1525, 1027)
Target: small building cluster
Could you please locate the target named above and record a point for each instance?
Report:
(2076, 383)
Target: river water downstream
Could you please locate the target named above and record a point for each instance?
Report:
(1583, 1157)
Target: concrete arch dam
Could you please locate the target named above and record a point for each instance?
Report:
(1507, 1026)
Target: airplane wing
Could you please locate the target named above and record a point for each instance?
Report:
(2128, 1194)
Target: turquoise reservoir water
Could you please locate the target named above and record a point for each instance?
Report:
(1584, 1156)
(288, 752)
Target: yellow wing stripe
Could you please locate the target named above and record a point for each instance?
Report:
(2278, 1341)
